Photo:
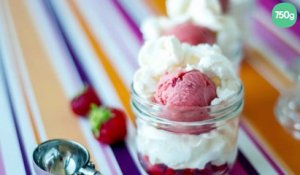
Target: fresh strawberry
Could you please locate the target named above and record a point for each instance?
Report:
(108, 124)
(169, 171)
(156, 169)
(81, 104)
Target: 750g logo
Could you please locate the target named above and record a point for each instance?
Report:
(284, 15)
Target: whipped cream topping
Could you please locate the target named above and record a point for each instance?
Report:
(167, 54)
(217, 146)
(206, 13)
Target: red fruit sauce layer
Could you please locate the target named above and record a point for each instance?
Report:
(162, 169)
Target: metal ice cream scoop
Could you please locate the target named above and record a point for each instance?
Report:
(62, 157)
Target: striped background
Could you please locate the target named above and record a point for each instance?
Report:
(50, 48)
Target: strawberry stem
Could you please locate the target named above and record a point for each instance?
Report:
(97, 117)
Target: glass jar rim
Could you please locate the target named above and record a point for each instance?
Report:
(218, 112)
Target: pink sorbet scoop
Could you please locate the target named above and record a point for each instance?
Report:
(192, 34)
(185, 89)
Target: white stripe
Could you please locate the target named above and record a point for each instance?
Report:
(136, 9)
(274, 60)
(287, 36)
(21, 66)
(254, 156)
(54, 48)
(109, 14)
(10, 42)
(107, 8)
(102, 34)
(85, 53)
(9, 145)
(65, 70)
(94, 70)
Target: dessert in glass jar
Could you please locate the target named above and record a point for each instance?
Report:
(187, 101)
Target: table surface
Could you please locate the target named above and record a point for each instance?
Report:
(50, 49)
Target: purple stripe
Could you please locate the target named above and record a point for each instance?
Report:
(48, 7)
(237, 169)
(269, 4)
(267, 157)
(2, 169)
(124, 159)
(287, 54)
(16, 124)
(129, 20)
(121, 152)
(246, 164)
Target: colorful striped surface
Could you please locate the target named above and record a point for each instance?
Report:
(50, 49)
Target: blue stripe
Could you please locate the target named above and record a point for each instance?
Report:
(16, 124)
(120, 150)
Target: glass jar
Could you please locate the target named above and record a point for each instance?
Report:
(287, 109)
(191, 146)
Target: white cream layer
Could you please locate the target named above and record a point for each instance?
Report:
(179, 151)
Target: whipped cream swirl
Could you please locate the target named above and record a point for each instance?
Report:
(167, 54)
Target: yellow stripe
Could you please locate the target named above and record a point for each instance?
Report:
(117, 82)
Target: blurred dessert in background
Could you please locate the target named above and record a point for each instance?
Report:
(198, 21)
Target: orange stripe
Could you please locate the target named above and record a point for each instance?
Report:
(57, 118)
(158, 6)
(17, 69)
(260, 100)
(117, 82)
(34, 127)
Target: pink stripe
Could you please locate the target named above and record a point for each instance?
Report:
(2, 169)
(237, 169)
(264, 153)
